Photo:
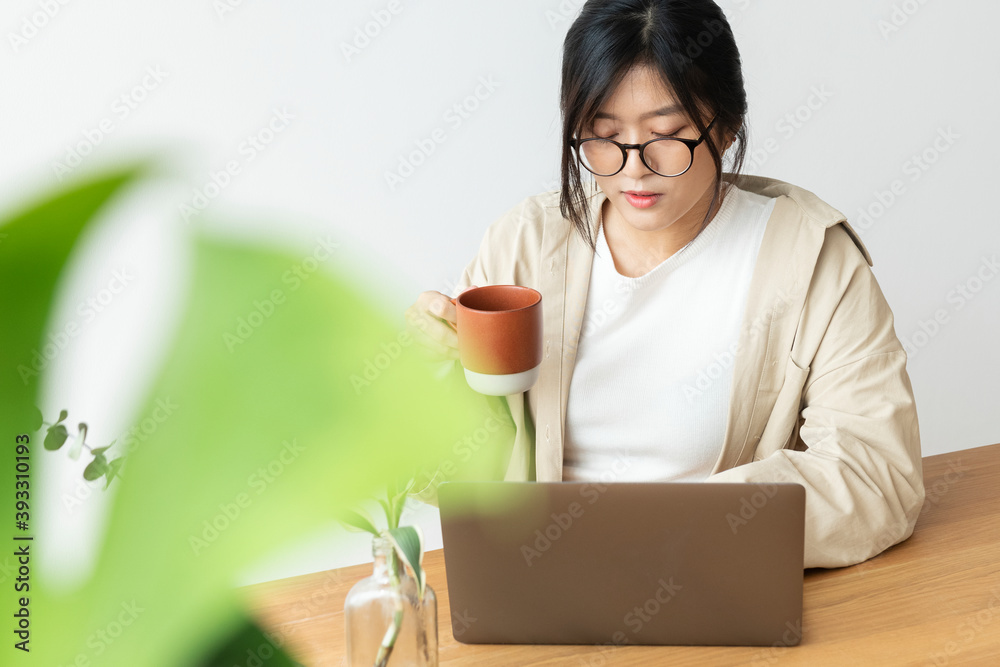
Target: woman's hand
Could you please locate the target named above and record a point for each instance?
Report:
(432, 321)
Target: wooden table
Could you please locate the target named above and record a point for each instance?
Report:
(932, 600)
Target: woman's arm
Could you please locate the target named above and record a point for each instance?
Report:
(503, 432)
(858, 450)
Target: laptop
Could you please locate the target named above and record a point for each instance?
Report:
(624, 563)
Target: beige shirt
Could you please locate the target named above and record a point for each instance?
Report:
(820, 395)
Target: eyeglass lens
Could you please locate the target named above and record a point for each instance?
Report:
(666, 157)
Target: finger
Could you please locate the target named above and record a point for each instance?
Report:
(443, 308)
(449, 311)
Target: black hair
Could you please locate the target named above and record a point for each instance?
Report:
(689, 43)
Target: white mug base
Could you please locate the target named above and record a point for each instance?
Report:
(502, 385)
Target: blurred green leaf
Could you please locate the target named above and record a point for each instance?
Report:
(262, 433)
(265, 438)
(247, 645)
(113, 469)
(397, 501)
(55, 437)
(95, 468)
(359, 519)
(37, 243)
(76, 447)
(388, 511)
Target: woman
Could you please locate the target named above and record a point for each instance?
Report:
(699, 325)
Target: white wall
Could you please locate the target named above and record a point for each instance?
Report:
(894, 76)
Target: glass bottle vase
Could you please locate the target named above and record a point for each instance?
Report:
(372, 605)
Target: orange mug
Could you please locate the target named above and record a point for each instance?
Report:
(500, 338)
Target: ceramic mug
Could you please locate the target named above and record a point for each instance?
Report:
(500, 338)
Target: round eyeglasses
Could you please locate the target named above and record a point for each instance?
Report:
(668, 156)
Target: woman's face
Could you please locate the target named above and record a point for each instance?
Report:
(641, 109)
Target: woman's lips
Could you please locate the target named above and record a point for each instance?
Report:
(642, 199)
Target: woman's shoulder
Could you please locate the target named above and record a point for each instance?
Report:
(797, 206)
(533, 210)
(536, 216)
(523, 239)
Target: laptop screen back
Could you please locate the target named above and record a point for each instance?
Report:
(624, 563)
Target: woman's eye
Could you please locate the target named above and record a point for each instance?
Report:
(611, 135)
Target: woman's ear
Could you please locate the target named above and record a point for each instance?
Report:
(731, 138)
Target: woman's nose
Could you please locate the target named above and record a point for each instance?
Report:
(633, 164)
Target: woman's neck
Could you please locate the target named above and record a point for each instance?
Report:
(636, 252)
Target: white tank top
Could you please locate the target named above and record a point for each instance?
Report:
(649, 397)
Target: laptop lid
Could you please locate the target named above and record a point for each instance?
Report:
(624, 563)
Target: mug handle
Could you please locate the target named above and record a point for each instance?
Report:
(455, 302)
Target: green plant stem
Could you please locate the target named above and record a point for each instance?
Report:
(392, 632)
